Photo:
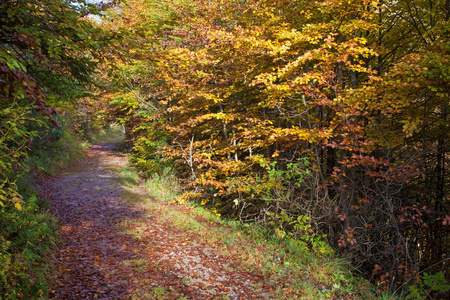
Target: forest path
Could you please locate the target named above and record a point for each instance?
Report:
(114, 248)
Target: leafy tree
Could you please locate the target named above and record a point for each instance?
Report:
(357, 91)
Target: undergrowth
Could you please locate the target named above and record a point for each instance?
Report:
(53, 156)
(27, 235)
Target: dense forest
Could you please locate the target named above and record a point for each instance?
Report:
(326, 121)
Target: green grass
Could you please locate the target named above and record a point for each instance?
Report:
(164, 187)
(127, 175)
(136, 264)
(305, 274)
(160, 293)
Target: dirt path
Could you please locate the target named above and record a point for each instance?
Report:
(116, 249)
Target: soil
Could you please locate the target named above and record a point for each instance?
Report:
(113, 248)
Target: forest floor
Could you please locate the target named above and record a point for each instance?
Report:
(113, 248)
(117, 242)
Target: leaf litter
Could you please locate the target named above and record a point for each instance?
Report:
(111, 248)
